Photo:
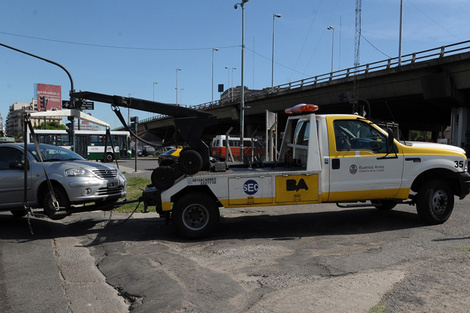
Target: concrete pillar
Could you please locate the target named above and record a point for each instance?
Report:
(459, 127)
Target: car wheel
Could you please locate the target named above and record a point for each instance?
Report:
(195, 215)
(61, 197)
(434, 202)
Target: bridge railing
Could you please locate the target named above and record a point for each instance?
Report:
(412, 58)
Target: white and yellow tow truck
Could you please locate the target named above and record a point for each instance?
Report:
(344, 159)
(324, 158)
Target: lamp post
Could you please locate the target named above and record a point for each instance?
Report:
(178, 69)
(153, 89)
(272, 68)
(228, 81)
(401, 30)
(242, 87)
(332, 46)
(233, 68)
(213, 49)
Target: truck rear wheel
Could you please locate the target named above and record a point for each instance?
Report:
(195, 215)
(434, 202)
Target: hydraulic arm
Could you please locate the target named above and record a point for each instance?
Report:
(189, 123)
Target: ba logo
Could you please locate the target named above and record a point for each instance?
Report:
(292, 185)
(250, 187)
(353, 169)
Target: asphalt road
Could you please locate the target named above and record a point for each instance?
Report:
(272, 259)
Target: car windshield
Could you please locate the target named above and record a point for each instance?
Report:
(53, 153)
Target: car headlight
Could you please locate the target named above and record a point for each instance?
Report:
(77, 172)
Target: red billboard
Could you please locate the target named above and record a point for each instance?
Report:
(48, 96)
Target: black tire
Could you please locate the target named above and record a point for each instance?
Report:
(19, 213)
(195, 215)
(108, 157)
(384, 205)
(162, 177)
(434, 202)
(190, 161)
(166, 162)
(61, 197)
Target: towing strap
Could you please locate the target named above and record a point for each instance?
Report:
(55, 203)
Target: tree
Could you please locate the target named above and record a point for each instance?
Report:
(51, 125)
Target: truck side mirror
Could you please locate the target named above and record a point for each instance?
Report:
(390, 138)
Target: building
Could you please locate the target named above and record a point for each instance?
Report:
(14, 120)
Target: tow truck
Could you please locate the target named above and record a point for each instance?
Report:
(342, 158)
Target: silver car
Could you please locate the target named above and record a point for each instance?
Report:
(74, 180)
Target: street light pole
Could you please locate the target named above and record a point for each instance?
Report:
(178, 69)
(153, 89)
(332, 46)
(213, 49)
(401, 30)
(272, 69)
(228, 82)
(233, 68)
(153, 85)
(242, 92)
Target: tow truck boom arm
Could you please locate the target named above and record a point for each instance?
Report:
(189, 123)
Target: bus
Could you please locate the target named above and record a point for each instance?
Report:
(89, 144)
(219, 142)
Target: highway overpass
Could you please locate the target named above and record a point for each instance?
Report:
(428, 90)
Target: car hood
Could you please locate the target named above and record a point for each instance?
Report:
(431, 145)
(60, 166)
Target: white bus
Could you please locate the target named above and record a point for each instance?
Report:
(88, 143)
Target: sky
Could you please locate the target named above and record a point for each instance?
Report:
(135, 48)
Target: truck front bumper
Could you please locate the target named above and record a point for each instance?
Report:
(464, 184)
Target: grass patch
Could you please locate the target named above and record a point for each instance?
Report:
(135, 186)
(465, 249)
(379, 308)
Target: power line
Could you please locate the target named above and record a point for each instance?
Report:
(370, 43)
(432, 20)
(111, 46)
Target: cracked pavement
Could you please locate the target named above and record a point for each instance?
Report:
(276, 259)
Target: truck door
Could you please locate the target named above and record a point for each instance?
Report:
(359, 167)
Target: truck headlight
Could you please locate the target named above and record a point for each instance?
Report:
(77, 172)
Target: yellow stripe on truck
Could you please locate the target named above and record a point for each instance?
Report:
(401, 193)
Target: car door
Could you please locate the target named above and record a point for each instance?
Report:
(11, 178)
(359, 165)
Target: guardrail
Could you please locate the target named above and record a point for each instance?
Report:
(412, 58)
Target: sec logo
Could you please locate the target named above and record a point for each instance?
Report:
(250, 187)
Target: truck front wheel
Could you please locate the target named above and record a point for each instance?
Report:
(434, 202)
(195, 215)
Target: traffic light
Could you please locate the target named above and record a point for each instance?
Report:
(43, 102)
(70, 125)
(134, 122)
